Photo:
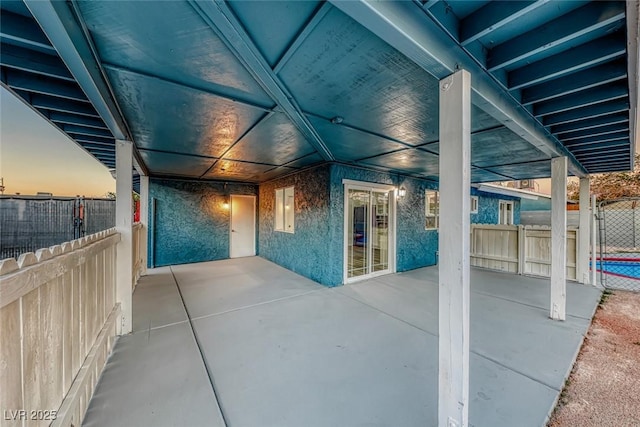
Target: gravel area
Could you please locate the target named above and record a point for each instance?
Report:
(604, 386)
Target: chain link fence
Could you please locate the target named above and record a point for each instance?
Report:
(31, 223)
(618, 263)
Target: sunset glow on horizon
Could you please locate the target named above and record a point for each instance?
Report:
(37, 157)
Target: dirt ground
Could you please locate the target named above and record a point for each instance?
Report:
(604, 387)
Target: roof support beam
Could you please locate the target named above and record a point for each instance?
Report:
(572, 60)
(579, 125)
(302, 36)
(209, 91)
(71, 119)
(622, 162)
(613, 166)
(64, 27)
(582, 80)
(398, 24)
(608, 153)
(262, 119)
(24, 31)
(599, 131)
(598, 139)
(595, 142)
(441, 13)
(593, 16)
(616, 159)
(37, 84)
(588, 112)
(96, 147)
(58, 104)
(87, 131)
(222, 20)
(624, 157)
(33, 61)
(605, 146)
(622, 165)
(61, 25)
(91, 139)
(494, 16)
(581, 99)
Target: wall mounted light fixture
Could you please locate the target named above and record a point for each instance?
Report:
(402, 192)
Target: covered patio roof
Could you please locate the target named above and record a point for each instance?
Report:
(250, 91)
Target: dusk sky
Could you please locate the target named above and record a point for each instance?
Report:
(36, 156)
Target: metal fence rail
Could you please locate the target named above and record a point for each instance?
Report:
(31, 223)
(619, 230)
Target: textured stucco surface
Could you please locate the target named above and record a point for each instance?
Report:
(416, 246)
(306, 251)
(189, 222)
(488, 207)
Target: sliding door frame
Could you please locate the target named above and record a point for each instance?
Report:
(349, 184)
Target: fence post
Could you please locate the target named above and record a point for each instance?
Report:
(594, 242)
(582, 236)
(522, 235)
(144, 220)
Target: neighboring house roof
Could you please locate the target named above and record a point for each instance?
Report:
(507, 191)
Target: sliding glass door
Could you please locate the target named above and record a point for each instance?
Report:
(368, 231)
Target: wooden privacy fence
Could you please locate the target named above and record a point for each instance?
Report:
(519, 249)
(58, 314)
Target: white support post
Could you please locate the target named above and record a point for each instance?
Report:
(144, 220)
(124, 223)
(594, 241)
(454, 241)
(584, 234)
(558, 238)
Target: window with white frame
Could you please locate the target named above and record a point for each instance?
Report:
(505, 213)
(431, 209)
(284, 210)
(474, 204)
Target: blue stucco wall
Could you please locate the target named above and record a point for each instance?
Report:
(416, 247)
(316, 249)
(488, 207)
(187, 220)
(189, 223)
(307, 251)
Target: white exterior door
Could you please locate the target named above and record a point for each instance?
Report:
(243, 226)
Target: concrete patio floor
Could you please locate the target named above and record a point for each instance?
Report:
(282, 350)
